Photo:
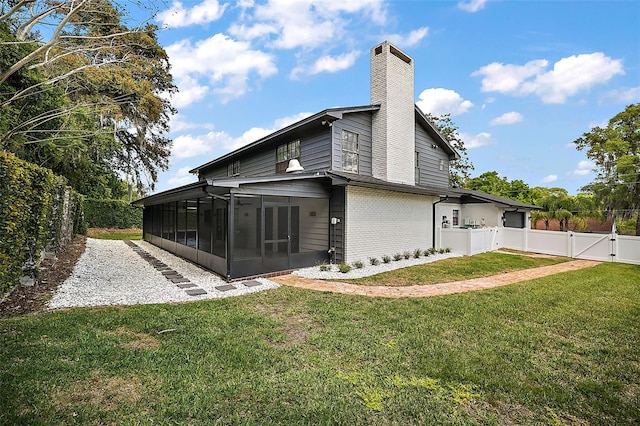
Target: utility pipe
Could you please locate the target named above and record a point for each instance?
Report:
(433, 232)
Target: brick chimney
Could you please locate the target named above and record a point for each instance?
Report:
(393, 137)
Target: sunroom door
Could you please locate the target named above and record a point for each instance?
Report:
(277, 234)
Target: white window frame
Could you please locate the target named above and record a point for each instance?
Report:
(350, 151)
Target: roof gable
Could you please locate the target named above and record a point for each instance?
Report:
(327, 115)
(433, 131)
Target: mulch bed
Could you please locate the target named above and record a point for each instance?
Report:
(26, 300)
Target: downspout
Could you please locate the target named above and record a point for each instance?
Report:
(433, 232)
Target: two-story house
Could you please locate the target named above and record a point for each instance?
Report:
(342, 185)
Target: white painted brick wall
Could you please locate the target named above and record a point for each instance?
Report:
(393, 137)
(382, 223)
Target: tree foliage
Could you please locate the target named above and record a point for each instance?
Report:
(460, 169)
(106, 109)
(558, 205)
(492, 183)
(615, 151)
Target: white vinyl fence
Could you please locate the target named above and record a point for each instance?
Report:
(603, 247)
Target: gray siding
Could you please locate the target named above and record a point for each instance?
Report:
(313, 229)
(360, 123)
(305, 188)
(315, 152)
(430, 173)
(314, 155)
(336, 232)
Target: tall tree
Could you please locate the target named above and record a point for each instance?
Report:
(492, 183)
(115, 75)
(460, 169)
(615, 151)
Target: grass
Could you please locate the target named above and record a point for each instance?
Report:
(115, 233)
(454, 269)
(564, 349)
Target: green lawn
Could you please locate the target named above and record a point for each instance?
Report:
(115, 234)
(458, 268)
(564, 349)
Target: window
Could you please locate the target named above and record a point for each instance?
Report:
(349, 151)
(456, 218)
(284, 153)
(441, 165)
(233, 169)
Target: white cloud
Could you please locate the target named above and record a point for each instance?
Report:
(508, 78)
(305, 23)
(569, 76)
(624, 96)
(189, 91)
(283, 122)
(472, 5)
(177, 16)
(182, 177)
(244, 32)
(584, 168)
(550, 179)
(227, 64)
(476, 141)
(180, 123)
(507, 118)
(408, 40)
(439, 101)
(328, 63)
(187, 146)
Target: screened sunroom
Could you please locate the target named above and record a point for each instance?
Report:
(243, 227)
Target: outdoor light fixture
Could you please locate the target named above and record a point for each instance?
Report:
(294, 166)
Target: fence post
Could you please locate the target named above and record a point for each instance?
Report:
(613, 246)
(570, 245)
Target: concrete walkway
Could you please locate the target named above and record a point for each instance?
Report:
(434, 289)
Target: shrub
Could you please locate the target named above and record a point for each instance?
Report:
(386, 258)
(432, 250)
(344, 268)
(324, 267)
(441, 251)
(358, 264)
(111, 214)
(406, 254)
(397, 256)
(447, 250)
(374, 261)
(426, 252)
(36, 212)
(417, 253)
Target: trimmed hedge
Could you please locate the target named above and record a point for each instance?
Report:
(111, 214)
(38, 211)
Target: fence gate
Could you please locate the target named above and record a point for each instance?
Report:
(593, 246)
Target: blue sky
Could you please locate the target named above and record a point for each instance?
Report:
(521, 79)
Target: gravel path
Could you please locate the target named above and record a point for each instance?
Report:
(367, 269)
(112, 273)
